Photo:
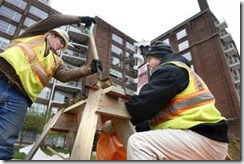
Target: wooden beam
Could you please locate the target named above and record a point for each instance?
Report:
(56, 153)
(84, 139)
(113, 112)
(124, 128)
(116, 92)
(76, 108)
(66, 122)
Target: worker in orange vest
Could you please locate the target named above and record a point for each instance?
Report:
(175, 113)
(26, 67)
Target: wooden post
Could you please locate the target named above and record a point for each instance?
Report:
(84, 139)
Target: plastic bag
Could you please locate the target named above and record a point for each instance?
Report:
(110, 147)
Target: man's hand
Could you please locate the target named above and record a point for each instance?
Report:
(95, 65)
(87, 21)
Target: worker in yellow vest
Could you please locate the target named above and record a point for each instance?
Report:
(174, 113)
(26, 67)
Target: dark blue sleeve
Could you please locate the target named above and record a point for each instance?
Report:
(164, 84)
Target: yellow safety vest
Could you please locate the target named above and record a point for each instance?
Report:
(193, 106)
(26, 55)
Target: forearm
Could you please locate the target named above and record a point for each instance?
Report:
(50, 23)
(65, 74)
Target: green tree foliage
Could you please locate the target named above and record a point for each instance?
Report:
(34, 122)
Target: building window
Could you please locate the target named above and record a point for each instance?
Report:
(59, 97)
(184, 45)
(116, 74)
(181, 34)
(11, 14)
(45, 93)
(130, 80)
(236, 72)
(19, 3)
(166, 41)
(28, 21)
(45, 1)
(130, 47)
(3, 42)
(187, 56)
(116, 61)
(129, 56)
(7, 28)
(130, 68)
(116, 50)
(35, 11)
(117, 39)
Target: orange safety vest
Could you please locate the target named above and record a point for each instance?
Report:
(26, 55)
(193, 106)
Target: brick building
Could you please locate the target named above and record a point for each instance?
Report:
(204, 41)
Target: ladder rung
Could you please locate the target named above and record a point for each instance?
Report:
(113, 112)
(75, 108)
(116, 92)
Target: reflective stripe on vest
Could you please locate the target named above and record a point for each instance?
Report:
(40, 71)
(200, 96)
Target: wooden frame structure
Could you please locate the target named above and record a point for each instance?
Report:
(81, 119)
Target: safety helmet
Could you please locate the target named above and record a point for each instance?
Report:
(63, 34)
(159, 49)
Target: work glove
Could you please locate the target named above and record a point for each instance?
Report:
(108, 127)
(95, 65)
(143, 126)
(87, 21)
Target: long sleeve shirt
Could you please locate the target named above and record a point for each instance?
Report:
(164, 84)
(62, 73)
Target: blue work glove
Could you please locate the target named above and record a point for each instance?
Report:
(87, 21)
(95, 65)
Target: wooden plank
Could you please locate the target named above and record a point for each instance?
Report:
(113, 112)
(66, 122)
(84, 139)
(124, 128)
(70, 138)
(55, 153)
(112, 106)
(50, 124)
(116, 92)
(76, 108)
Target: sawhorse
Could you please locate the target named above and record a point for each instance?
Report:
(82, 119)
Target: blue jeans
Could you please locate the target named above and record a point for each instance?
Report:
(13, 108)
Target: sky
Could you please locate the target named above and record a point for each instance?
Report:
(146, 20)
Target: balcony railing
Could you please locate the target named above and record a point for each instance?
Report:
(236, 79)
(221, 25)
(225, 36)
(74, 54)
(230, 49)
(71, 84)
(234, 63)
